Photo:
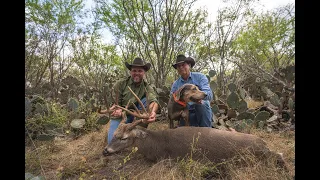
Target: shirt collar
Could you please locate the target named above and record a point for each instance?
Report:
(181, 79)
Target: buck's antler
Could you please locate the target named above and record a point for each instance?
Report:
(109, 111)
(137, 113)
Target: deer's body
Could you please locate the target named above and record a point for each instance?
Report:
(217, 145)
(214, 144)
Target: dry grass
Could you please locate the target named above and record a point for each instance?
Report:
(82, 159)
(253, 104)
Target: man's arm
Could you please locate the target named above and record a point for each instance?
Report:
(154, 104)
(153, 108)
(204, 86)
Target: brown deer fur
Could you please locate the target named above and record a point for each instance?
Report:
(217, 145)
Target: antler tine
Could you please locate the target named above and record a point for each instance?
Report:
(135, 107)
(134, 124)
(141, 104)
(128, 104)
(107, 111)
(135, 114)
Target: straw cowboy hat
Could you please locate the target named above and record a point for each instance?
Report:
(139, 63)
(181, 59)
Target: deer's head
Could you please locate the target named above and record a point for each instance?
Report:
(124, 137)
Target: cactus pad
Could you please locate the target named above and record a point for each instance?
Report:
(78, 123)
(213, 85)
(103, 120)
(242, 93)
(73, 104)
(275, 100)
(215, 109)
(231, 113)
(212, 73)
(208, 77)
(245, 115)
(262, 116)
(261, 124)
(290, 104)
(242, 106)
(232, 87)
(233, 100)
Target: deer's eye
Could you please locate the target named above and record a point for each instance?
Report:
(123, 139)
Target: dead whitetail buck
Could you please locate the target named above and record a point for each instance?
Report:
(216, 145)
(177, 105)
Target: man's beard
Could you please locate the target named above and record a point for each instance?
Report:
(137, 79)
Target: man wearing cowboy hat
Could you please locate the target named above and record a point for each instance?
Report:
(199, 114)
(138, 84)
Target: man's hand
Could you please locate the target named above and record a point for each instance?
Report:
(152, 118)
(116, 111)
(153, 107)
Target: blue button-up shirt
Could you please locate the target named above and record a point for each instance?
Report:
(197, 79)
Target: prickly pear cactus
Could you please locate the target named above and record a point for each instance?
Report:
(213, 85)
(103, 120)
(261, 124)
(261, 116)
(208, 77)
(78, 123)
(243, 106)
(232, 87)
(215, 109)
(242, 93)
(240, 126)
(37, 99)
(231, 113)
(275, 100)
(39, 109)
(233, 100)
(291, 104)
(73, 104)
(245, 115)
(212, 73)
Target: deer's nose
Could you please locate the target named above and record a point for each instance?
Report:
(105, 152)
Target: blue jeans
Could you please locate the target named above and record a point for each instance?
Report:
(114, 123)
(200, 115)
